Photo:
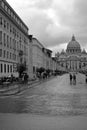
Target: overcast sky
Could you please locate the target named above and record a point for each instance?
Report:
(53, 22)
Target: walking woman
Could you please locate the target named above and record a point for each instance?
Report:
(74, 79)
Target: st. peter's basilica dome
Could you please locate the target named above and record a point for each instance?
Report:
(73, 46)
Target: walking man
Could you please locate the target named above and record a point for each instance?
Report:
(70, 78)
(74, 79)
(86, 79)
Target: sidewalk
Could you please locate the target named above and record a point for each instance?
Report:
(36, 122)
(16, 88)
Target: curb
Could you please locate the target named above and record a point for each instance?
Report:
(18, 90)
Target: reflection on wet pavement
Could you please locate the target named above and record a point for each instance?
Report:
(56, 97)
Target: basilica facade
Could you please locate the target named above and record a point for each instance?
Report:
(73, 58)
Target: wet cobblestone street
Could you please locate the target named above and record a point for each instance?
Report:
(53, 98)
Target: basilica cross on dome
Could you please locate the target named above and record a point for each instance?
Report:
(73, 38)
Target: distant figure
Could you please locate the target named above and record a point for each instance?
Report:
(86, 79)
(26, 77)
(70, 78)
(74, 79)
(12, 78)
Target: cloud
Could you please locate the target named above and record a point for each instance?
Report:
(54, 21)
(58, 48)
(43, 4)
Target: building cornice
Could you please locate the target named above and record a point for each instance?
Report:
(38, 42)
(15, 13)
(13, 20)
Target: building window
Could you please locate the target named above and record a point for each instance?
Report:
(1, 21)
(33, 69)
(11, 68)
(9, 11)
(13, 31)
(1, 68)
(80, 65)
(7, 26)
(11, 14)
(2, 4)
(17, 46)
(10, 29)
(0, 37)
(5, 8)
(8, 41)
(8, 68)
(7, 54)
(5, 68)
(15, 57)
(17, 34)
(84, 64)
(0, 52)
(4, 24)
(4, 53)
(4, 39)
(20, 45)
(14, 44)
(10, 55)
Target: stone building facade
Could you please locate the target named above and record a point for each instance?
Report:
(73, 58)
(18, 47)
(14, 40)
(42, 57)
(37, 54)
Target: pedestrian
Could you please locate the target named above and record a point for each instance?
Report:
(25, 77)
(70, 78)
(74, 79)
(12, 78)
(86, 79)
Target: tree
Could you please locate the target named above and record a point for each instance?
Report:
(21, 68)
(40, 70)
(48, 71)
